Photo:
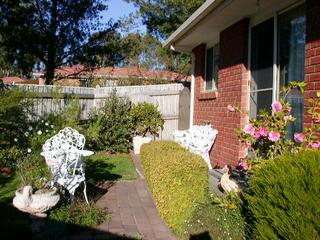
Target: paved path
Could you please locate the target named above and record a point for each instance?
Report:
(133, 211)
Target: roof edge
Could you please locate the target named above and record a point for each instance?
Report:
(196, 17)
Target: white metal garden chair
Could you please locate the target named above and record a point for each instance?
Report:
(197, 139)
(63, 153)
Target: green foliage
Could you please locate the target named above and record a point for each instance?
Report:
(33, 171)
(13, 116)
(282, 201)
(178, 180)
(49, 32)
(145, 117)
(211, 221)
(78, 213)
(109, 126)
(67, 117)
(163, 17)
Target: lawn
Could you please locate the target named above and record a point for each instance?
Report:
(103, 166)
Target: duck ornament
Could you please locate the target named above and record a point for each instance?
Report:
(35, 203)
(226, 183)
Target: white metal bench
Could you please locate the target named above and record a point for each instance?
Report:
(197, 139)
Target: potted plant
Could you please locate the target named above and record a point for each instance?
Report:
(145, 119)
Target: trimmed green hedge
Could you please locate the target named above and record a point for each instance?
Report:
(283, 199)
(178, 180)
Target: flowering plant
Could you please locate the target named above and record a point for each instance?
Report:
(264, 137)
(31, 166)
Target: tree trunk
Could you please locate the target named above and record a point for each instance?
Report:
(52, 41)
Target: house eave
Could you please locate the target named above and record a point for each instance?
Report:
(195, 18)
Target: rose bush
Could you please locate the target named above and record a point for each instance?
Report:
(265, 137)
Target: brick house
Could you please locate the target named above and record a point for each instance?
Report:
(243, 51)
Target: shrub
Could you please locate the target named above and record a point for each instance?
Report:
(145, 117)
(178, 180)
(282, 201)
(13, 116)
(78, 213)
(69, 116)
(109, 128)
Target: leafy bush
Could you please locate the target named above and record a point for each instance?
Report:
(13, 117)
(69, 116)
(282, 201)
(109, 128)
(145, 117)
(78, 213)
(178, 180)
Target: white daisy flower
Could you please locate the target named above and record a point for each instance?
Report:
(29, 150)
(51, 126)
(47, 124)
(39, 132)
(15, 139)
(26, 134)
(30, 128)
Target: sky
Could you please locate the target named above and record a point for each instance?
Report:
(118, 9)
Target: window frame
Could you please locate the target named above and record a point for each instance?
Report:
(276, 67)
(215, 54)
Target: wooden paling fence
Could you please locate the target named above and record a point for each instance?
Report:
(171, 100)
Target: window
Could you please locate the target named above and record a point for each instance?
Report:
(212, 67)
(261, 67)
(288, 64)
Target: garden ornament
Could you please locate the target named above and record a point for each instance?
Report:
(63, 153)
(35, 203)
(198, 140)
(226, 183)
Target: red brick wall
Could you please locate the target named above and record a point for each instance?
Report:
(312, 54)
(232, 89)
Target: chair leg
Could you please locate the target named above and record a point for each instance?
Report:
(85, 192)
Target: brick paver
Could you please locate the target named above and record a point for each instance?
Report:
(132, 209)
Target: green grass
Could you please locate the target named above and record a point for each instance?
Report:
(102, 166)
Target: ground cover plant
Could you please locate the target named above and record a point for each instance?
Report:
(178, 180)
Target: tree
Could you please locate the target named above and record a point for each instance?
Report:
(162, 18)
(54, 32)
(104, 49)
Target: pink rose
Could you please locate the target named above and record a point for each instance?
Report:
(276, 107)
(288, 118)
(273, 136)
(257, 135)
(231, 108)
(298, 137)
(315, 144)
(243, 165)
(263, 132)
(288, 109)
(249, 129)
